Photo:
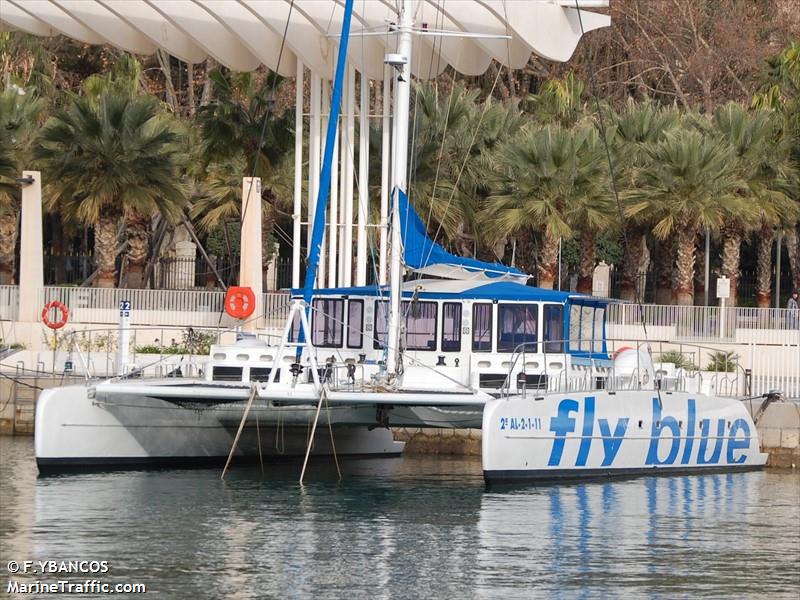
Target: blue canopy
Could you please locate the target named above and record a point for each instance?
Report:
(495, 290)
(420, 252)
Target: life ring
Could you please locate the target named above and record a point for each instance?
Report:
(240, 302)
(58, 306)
(620, 351)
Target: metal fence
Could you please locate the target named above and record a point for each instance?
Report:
(154, 307)
(9, 302)
(704, 323)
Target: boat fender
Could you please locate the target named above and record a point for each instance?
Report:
(60, 306)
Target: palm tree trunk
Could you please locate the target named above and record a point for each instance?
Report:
(138, 249)
(764, 266)
(793, 252)
(632, 266)
(105, 249)
(526, 255)
(663, 271)
(548, 266)
(699, 272)
(267, 227)
(684, 265)
(8, 245)
(731, 252)
(587, 260)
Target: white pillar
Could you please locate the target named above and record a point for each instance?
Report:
(362, 214)
(31, 261)
(333, 208)
(250, 265)
(325, 108)
(385, 158)
(347, 246)
(297, 216)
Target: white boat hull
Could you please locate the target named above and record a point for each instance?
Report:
(74, 431)
(602, 433)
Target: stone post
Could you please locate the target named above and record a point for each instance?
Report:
(185, 256)
(250, 264)
(31, 259)
(601, 280)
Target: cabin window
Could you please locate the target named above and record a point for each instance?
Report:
(226, 373)
(451, 327)
(326, 331)
(599, 316)
(381, 324)
(517, 324)
(482, 327)
(262, 374)
(587, 328)
(574, 327)
(355, 323)
(553, 328)
(420, 319)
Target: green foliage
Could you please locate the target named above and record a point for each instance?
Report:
(115, 155)
(680, 360)
(688, 181)
(723, 362)
(545, 175)
(192, 342)
(19, 114)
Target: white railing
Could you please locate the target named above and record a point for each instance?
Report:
(704, 323)
(9, 302)
(155, 307)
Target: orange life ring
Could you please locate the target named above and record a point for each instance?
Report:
(46, 314)
(240, 302)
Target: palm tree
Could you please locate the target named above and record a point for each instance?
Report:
(688, 182)
(638, 124)
(453, 145)
(242, 130)
(543, 173)
(781, 93)
(558, 100)
(109, 159)
(762, 163)
(592, 210)
(19, 115)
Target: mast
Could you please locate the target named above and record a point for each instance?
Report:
(399, 176)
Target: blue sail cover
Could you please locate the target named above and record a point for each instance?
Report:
(424, 255)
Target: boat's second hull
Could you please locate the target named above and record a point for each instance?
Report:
(556, 437)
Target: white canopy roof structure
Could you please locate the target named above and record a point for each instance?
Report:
(242, 34)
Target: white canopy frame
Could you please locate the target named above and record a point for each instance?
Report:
(243, 34)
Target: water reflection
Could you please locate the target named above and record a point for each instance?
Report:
(412, 527)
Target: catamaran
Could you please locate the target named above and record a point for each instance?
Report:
(449, 342)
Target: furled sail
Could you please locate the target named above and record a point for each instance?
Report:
(423, 255)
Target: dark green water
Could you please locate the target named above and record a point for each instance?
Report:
(405, 528)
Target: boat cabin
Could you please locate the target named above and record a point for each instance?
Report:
(488, 335)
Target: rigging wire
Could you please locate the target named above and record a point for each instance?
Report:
(270, 104)
(615, 189)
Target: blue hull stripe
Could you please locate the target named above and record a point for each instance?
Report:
(553, 475)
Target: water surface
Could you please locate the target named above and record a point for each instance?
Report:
(413, 527)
